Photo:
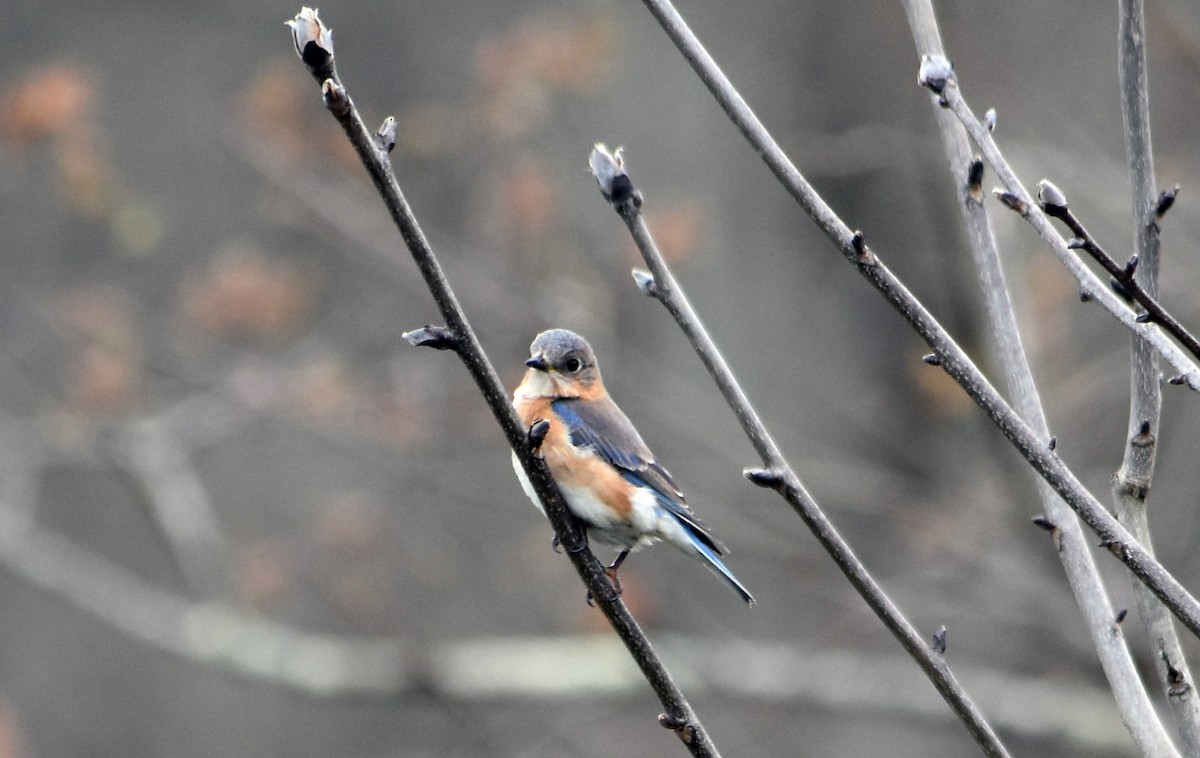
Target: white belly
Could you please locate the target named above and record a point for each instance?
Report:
(644, 527)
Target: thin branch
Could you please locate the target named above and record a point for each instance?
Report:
(1067, 536)
(1126, 282)
(314, 45)
(957, 364)
(1131, 483)
(778, 473)
(1016, 197)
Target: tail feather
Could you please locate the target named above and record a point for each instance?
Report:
(721, 570)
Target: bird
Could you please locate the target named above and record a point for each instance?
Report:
(605, 471)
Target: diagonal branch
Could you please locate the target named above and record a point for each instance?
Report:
(1033, 447)
(1131, 483)
(314, 45)
(1083, 576)
(778, 473)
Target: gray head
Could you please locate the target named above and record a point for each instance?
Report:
(567, 360)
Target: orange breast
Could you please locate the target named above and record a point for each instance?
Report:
(574, 468)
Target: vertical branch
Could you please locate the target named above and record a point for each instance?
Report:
(314, 44)
(778, 474)
(1131, 483)
(1083, 576)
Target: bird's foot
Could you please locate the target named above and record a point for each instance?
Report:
(536, 434)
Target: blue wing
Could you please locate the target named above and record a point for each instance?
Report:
(602, 426)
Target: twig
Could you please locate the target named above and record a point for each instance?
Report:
(1125, 280)
(1131, 483)
(955, 361)
(1067, 536)
(777, 474)
(1016, 197)
(314, 45)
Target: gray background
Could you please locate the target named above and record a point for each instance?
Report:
(190, 253)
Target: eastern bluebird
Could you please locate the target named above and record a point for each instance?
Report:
(608, 476)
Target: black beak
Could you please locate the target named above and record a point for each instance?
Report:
(537, 361)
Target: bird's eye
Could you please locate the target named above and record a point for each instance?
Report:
(572, 365)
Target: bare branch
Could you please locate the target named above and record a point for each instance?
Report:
(1131, 483)
(314, 45)
(1067, 537)
(955, 361)
(1125, 275)
(1018, 198)
(778, 474)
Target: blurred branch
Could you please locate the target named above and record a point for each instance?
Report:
(778, 474)
(1083, 576)
(314, 45)
(180, 505)
(1131, 483)
(1033, 447)
(1018, 198)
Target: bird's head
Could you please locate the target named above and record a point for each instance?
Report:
(561, 364)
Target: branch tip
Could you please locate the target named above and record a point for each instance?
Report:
(608, 166)
(645, 282)
(1051, 199)
(436, 337)
(385, 137)
(313, 41)
(939, 640)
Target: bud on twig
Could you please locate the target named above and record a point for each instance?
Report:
(989, 119)
(645, 282)
(1051, 199)
(385, 138)
(975, 179)
(1011, 200)
(609, 169)
(436, 337)
(935, 71)
(939, 640)
(1165, 201)
(313, 41)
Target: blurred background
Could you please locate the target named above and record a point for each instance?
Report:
(240, 516)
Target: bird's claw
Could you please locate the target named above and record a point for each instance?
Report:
(611, 573)
(536, 434)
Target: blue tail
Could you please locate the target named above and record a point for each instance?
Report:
(717, 567)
